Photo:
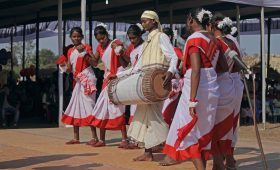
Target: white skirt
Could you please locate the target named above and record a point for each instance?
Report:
(180, 145)
(107, 115)
(239, 87)
(82, 100)
(223, 129)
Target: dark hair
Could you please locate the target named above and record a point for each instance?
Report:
(168, 31)
(78, 30)
(100, 30)
(215, 21)
(135, 30)
(205, 19)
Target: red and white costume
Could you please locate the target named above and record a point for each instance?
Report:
(134, 54)
(105, 114)
(170, 104)
(190, 137)
(83, 96)
(239, 87)
(223, 131)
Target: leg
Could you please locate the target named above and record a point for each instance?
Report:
(124, 142)
(230, 162)
(218, 162)
(94, 139)
(76, 136)
(4, 121)
(147, 156)
(101, 142)
(16, 117)
(198, 163)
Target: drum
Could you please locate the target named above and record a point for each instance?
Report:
(144, 87)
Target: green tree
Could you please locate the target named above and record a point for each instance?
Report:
(18, 52)
(46, 56)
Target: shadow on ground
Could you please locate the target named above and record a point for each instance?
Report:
(21, 163)
(255, 162)
(67, 167)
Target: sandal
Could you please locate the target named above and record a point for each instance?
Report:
(73, 141)
(99, 144)
(92, 142)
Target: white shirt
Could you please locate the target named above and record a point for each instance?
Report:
(168, 52)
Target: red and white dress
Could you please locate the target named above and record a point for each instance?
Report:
(223, 129)
(239, 87)
(134, 54)
(190, 137)
(105, 114)
(83, 96)
(170, 104)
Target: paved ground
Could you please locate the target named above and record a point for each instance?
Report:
(44, 149)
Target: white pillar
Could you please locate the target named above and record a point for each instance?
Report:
(238, 22)
(83, 18)
(60, 51)
(263, 67)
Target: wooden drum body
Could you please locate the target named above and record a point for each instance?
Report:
(144, 87)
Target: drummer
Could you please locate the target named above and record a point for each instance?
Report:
(148, 125)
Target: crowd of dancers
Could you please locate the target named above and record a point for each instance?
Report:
(196, 122)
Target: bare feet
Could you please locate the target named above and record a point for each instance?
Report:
(147, 156)
(167, 161)
(73, 141)
(132, 146)
(123, 144)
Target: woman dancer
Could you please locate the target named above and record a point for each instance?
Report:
(105, 114)
(82, 101)
(190, 133)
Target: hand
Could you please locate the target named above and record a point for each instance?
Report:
(192, 111)
(80, 48)
(167, 80)
(112, 76)
(114, 45)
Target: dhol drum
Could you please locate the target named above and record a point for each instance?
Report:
(143, 87)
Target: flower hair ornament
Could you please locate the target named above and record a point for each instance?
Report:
(199, 16)
(140, 26)
(225, 22)
(102, 25)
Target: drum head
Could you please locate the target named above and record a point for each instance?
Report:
(157, 85)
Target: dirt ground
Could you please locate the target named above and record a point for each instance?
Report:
(44, 149)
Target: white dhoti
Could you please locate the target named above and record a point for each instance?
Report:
(148, 125)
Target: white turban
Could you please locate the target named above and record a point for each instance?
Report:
(152, 15)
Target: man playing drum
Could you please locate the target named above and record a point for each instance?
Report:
(148, 125)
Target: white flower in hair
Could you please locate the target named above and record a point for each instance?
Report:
(102, 25)
(233, 30)
(201, 13)
(140, 26)
(227, 21)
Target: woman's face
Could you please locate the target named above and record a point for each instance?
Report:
(76, 38)
(102, 39)
(134, 39)
(189, 22)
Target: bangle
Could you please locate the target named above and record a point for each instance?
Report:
(193, 104)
